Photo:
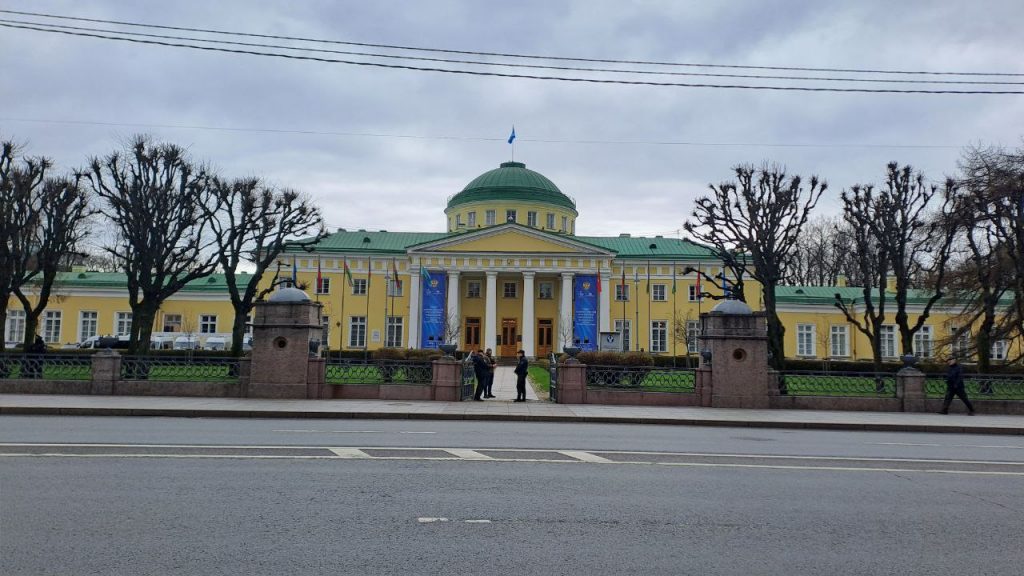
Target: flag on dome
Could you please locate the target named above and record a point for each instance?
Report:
(512, 136)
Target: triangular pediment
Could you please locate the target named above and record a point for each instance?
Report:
(510, 239)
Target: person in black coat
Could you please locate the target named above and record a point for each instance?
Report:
(492, 364)
(955, 387)
(522, 367)
(481, 368)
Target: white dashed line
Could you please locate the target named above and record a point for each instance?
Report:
(410, 432)
(467, 454)
(428, 519)
(349, 453)
(945, 445)
(477, 521)
(585, 456)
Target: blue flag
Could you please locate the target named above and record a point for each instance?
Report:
(295, 273)
(512, 136)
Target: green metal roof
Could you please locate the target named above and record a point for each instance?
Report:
(639, 247)
(118, 280)
(512, 181)
(364, 241)
(827, 295)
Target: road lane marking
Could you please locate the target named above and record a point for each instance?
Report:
(945, 445)
(477, 521)
(428, 520)
(349, 453)
(467, 454)
(413, 432)
(837, 468)
(585, 456)
(334, 431)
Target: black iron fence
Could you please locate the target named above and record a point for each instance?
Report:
(641, 378)
(980, 386)
(468, 380)
(817, 383)
(552, 378)
(179, 369)
(357, 371)
(46, 366)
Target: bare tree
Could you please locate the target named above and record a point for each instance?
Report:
(251, 222)
(155, 198)
(681, 334)
(822, 254)
(760, 216)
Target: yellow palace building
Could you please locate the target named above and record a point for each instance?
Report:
(508, 273)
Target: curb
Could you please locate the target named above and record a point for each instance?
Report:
(298, 414)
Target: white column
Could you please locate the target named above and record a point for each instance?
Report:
(414, 282)
(605, 318)
(491, 313)
(565, 312)
(453, 307)
(528, 320)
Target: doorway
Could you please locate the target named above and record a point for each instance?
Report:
(544, 332)
(509, 333)
(472, 334)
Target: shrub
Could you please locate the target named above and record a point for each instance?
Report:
(614, 358)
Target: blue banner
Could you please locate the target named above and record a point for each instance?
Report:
(584, 318)
(434, 311)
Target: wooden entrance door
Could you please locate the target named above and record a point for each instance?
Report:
(544, 332)
(509, 331)
(472, 334)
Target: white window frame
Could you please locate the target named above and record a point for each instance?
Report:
(691, 293)
(88, 324)
(52, 320)
(659, 336)
(395, 286)
(659, 292)
(692, 336)
(324, 286)
(625, 327)
(622, 292)
(122, 323)
(924, 345)
(15, 329)
(359, 286)
(490, 216)
(551, 221)
(458, 220)
(207, 323)
(887, 341)
(839, 341)
(999, 349)
(806, 336)
(565, 223)
(471, 220)
(357, 332)
(505, 290)
(511, 215)
(960, 345)
(545, 290)
(531, 218)
(394, 332)
(473, 289)
(167, 319)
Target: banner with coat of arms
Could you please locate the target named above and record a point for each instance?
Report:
(585, 313)
(434, 312)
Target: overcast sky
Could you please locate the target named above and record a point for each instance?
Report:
(70, 97)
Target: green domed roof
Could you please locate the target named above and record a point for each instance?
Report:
(512, 181)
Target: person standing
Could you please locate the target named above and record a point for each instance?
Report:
(955, 387)
(522, 368)
(492, 364)
(480, 370)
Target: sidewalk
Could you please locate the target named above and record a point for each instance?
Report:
(503, 410)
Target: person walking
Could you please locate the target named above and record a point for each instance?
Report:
(480, 370)
(492, 365)
(522, 368)
(955, 387)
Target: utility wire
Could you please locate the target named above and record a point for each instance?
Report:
(484, 138)
(509, 75)
(505, 55)
(513, 65)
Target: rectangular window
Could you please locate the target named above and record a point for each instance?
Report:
(509, 290)
(324, 285)
(490, 215)
(248, 324)
(805, 340)
(840, 341)
(172, 323)
(621, 292)
(565, 223)
(51, 326)
(395, 287)
(623, 327)
(531, 219)
(208, 324)
(15, 326)
(471, 217)
(692, 294)
(692, 336)
(545, 291)
(472, 333)
(923, 342)
(357, 332)
(999, 350)
(359, 286)
(551, 221)
(510, 215)
(473, 289)
(122, 324)
(659, 335)
(458, 220)
(393, 334)
(887, 339)
(87, 325)
(658, 292)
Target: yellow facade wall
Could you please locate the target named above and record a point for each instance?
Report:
(522, 209)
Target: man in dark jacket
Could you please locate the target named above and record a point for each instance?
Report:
(522, 367)
(481, 368)
(955, 387)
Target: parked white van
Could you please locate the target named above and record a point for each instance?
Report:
(216, 343)
(186, 343)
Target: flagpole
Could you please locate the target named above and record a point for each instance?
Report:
(366, 326)
(675, 308)
(636, 310)
(341, 322)
(623, 331)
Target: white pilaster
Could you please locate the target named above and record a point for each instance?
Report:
(565, 312)
(491, 313)
(528, 320)
(605, 317)
(414, 282)
(453, 307)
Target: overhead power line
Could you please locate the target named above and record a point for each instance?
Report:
(506, 55)
(483, 138)
(513, 65)
(42, 28)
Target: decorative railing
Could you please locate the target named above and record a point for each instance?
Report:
(815, 383)
(468, 380)
(641, 378)
(46, 366)
(552, 378)
(980, 386)
(179, 369)
(380, 372)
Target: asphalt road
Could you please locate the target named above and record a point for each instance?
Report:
(205, 496)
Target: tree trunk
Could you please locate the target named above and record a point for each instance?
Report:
(776, 331)
(238, 327)
(143, 316)
(984, 342)
(31, 325)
